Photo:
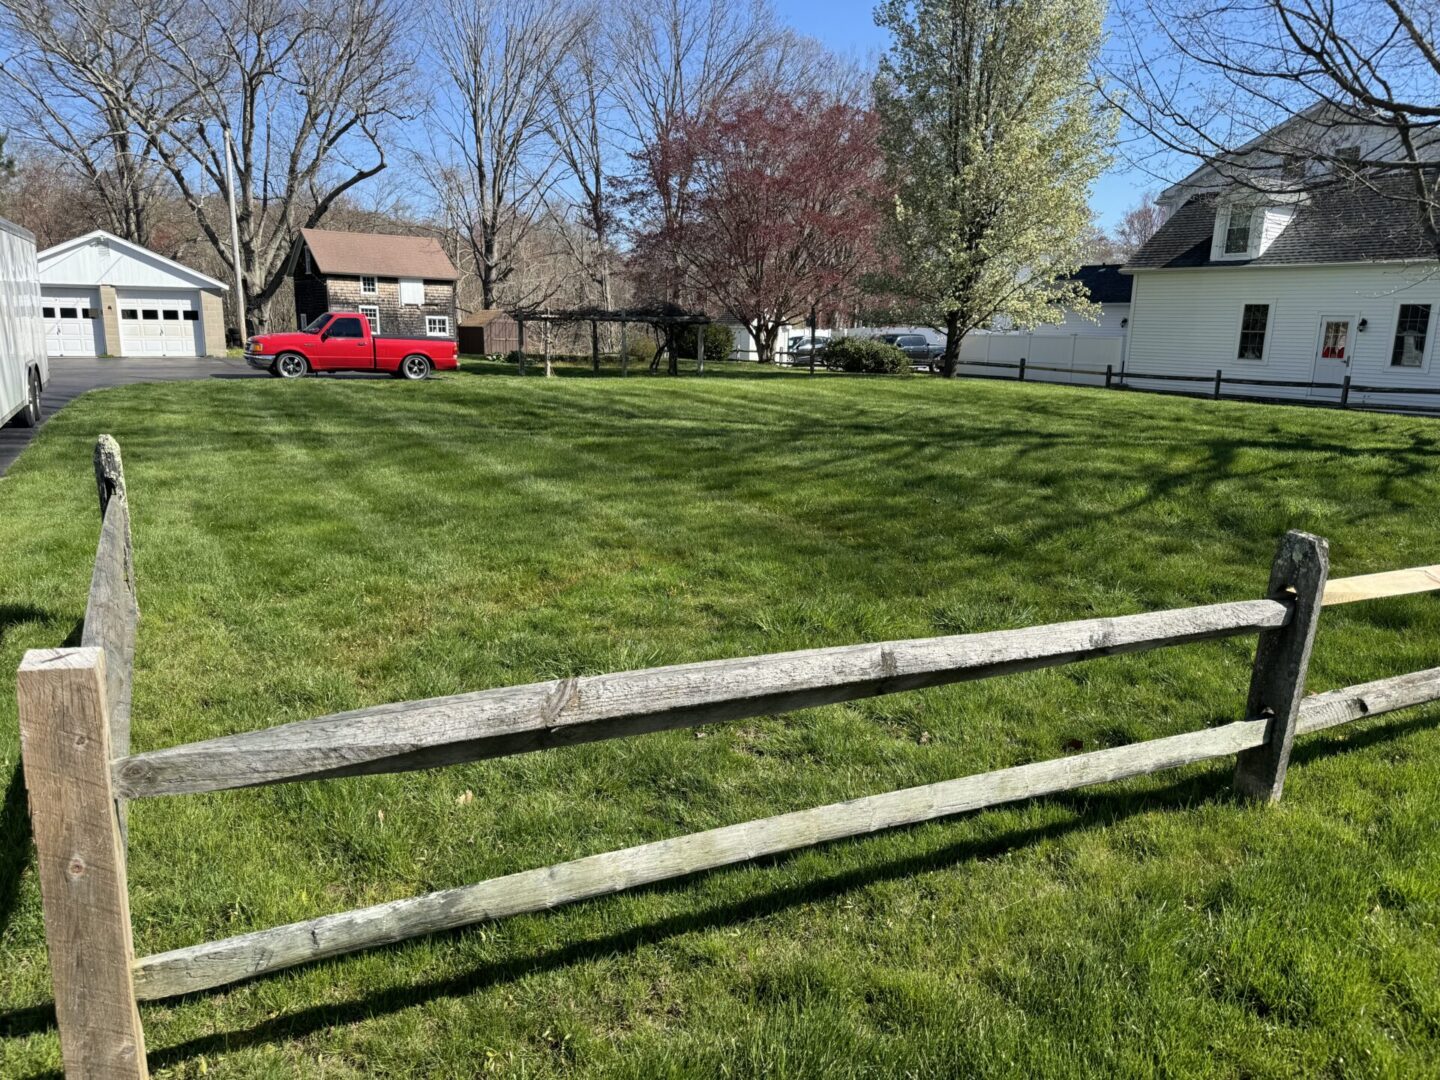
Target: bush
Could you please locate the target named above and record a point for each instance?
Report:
(867, 356)
(719, 341)
(641, 348)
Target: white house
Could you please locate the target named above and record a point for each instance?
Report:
(1301, 287)
(104, 296)
(1078, 345)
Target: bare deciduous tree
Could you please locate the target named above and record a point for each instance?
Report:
(500, 58)
(301, 91)
(1287, 95)
(74, 71)
(581, 126)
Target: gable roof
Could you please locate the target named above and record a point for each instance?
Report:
(1345, 222)
(51, 255)
(1104, 282)
(378, 255)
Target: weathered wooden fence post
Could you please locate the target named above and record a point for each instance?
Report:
(1282, 656)
(112, 611)
(1109, 375)
(1021, 376)
(520, 350)
(65, 748)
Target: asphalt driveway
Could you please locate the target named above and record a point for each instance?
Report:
(72, 376)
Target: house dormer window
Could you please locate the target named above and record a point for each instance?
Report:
(1238, 228)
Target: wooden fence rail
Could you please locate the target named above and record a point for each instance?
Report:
(74, 720)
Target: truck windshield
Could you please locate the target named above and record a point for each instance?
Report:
(314, 325)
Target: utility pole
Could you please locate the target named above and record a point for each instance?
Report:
(239, 305)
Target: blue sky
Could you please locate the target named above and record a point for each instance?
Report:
(848, 26)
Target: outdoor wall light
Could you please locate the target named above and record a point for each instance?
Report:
(1360, 327)
(1124, 322)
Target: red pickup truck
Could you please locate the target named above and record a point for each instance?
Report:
(341, 341)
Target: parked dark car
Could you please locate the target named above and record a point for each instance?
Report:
(802, 347)
(917, 347)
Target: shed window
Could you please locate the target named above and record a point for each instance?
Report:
(437, 325)
(1237, 231)
(367, 286)
(1254, 320)
(1412, 327)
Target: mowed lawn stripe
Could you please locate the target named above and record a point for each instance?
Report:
(308, 548)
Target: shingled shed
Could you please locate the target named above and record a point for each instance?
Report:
(488, 332)
(405, 285)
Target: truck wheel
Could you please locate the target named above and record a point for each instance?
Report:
(30, 415)
(414, 368)
(290, 366)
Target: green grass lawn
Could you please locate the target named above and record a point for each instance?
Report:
(313, 547)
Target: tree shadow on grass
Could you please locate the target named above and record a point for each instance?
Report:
(1091, 810)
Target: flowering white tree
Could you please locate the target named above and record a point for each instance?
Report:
(994, 134)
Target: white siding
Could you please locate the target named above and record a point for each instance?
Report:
(103, 263)
(1187, 322)
(22, 337)
(1276, 218)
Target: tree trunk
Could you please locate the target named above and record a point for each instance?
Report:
(953, 337)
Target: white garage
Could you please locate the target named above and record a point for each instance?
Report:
(72, 321)
(159, 324)
(104, 296)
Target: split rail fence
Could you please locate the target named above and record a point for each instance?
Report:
(75, 734)
(1211, 386)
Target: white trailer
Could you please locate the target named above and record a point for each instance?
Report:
(24, 370)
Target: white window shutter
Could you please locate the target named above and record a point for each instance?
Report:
(412, 291)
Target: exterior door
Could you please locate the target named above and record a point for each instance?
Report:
(160, 325)
(1332, 354)
(71, 319)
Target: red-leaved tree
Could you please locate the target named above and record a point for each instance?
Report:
(784, 197)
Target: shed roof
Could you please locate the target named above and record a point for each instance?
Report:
(484, 317)
(378, 255)
(1105, 283)
(1370, 221)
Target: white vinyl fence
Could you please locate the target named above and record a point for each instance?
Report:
(1080, 358)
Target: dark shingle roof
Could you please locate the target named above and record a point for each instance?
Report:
(1105, 283)
(1349, 222)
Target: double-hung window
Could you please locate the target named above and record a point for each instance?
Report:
(368, 286)
(1412, 332)
(372, 313)
(1254, 322)
(1237, 230)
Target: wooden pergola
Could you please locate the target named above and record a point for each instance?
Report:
(665, 316)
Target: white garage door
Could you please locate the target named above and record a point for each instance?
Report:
(160, 325)
(72, 321)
